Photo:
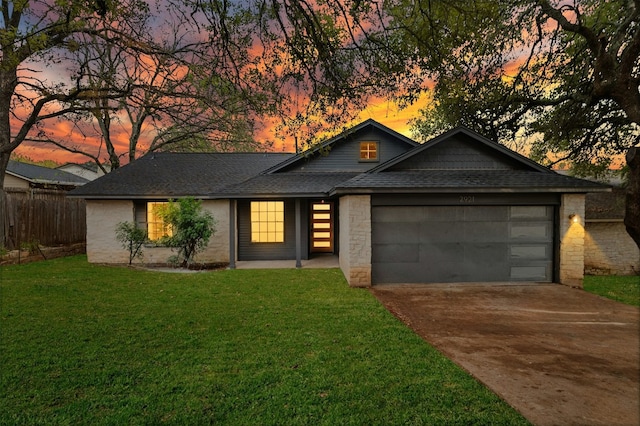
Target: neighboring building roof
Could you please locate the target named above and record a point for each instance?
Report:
(43, 175)
(605, 205)
(167, 175)
(89, 166)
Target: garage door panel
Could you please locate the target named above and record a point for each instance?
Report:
(530, 251)
(446, 273)
(479, 272)
(484, 231)
(395, 232)
(540, 231)
(483, 254)
(442, 213)
(530, 212)
(530, 272)
(485, 213)
(396, 253)
(462, 243)
(484, 262)
(439, 232)
(438, 253)
(399, 272)
(410, 214)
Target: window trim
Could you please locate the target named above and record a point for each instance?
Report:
(365, 147)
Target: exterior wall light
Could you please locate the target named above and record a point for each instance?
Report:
(573, 218)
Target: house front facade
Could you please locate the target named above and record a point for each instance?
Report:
(459, 208)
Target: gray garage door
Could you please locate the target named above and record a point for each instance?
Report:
(431, 244)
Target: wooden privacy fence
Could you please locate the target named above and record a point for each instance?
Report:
(41, 217)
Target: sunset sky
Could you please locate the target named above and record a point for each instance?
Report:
(386, 113)
(71, 134)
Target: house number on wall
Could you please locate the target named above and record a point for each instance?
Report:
(467, 199)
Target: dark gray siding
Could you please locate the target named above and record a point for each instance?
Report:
(272, 251)
(345, 154)
(458, 153)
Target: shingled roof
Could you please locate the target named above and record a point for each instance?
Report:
(466, 162)
(288, 185)
(170, 175)
(43, 175)
(468, 180)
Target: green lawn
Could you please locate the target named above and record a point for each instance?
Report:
(88, 344)
(625, 289)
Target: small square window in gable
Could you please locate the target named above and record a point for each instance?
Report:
(368, 151)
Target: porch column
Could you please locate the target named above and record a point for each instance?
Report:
(298, 235)
(572, 240)
(232, 234)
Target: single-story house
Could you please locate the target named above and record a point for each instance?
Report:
(29, 176)
(88, 170)
(608, 247)
(457, 208)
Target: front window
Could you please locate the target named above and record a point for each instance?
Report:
(368, 151)
(267, 221)
(156, 227)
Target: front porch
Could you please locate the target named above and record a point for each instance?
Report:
(316, 262)
(288, 233)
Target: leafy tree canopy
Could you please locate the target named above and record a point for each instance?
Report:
(562, 75)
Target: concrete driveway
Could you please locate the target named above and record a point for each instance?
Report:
(558, 355)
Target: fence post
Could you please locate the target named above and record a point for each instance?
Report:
(3, 218)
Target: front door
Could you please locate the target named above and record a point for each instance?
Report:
(322, 227)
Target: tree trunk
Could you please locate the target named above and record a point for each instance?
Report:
(632, 213)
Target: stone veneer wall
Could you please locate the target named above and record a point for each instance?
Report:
(572, 240)
(608, 249)
(102, 246)
(355, 239)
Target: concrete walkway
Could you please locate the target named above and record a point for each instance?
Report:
(318, 261)
(558, 355)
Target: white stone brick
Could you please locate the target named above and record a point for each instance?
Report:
(610, 250)
(355, 239)
(102, 246)
(572, 240)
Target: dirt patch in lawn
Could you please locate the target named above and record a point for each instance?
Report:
(38, 253)
(559, 355)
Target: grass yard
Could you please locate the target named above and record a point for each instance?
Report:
(88, 344)
(625, 289)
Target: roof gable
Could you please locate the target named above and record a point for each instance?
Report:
(462, 160)
(460, 149)
(342, 153)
